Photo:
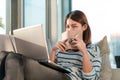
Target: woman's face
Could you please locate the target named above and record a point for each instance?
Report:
(74, 27)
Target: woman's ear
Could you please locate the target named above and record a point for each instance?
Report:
(85, 27)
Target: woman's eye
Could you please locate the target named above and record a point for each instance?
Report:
(74, 26)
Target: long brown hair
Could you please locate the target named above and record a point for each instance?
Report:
(80, 17)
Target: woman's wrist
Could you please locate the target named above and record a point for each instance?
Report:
(54, 50)
(84, 51)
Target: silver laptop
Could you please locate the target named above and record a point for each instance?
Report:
(30, 41)
(5, 43)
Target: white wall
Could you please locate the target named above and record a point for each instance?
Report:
(103, 16)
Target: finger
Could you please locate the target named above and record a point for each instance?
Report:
(74, 42)
(64, 41)
(64, 45)
(61, 46)
(76, 39)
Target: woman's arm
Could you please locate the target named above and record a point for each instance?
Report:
(87, 65)
(52, 55)
(91, 59)
(61, 46)
(94, 53)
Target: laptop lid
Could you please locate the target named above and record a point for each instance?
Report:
(5, 43)
(30, 41)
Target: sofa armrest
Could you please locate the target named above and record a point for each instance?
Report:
(116, 74)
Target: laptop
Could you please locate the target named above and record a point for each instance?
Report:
(5, 43)
(30, 41)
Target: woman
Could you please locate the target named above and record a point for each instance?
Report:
(83, 60)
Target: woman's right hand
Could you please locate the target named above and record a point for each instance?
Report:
(60, 45)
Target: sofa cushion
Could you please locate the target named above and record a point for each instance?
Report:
(106, 71)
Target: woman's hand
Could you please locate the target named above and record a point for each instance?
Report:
(60, 45)
(79, 44)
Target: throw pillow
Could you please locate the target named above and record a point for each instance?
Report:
(106, 71)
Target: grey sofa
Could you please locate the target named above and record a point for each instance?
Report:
(19, 67)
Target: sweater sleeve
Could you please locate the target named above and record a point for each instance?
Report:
(94, 53)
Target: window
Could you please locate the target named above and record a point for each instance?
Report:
(34, 12)
(2, 16)
(104, 20)
(63, 8)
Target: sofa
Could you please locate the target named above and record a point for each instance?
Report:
(115, 74)
(18, 67)
(107, 73)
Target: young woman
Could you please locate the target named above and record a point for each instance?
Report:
(83, 60)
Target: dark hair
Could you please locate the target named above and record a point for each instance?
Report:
(80, 17)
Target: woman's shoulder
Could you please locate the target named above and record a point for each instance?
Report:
(93, 49)
(92, 46)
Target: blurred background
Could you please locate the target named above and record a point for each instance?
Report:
(103, 17)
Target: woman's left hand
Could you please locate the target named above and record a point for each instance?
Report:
(79, 44)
